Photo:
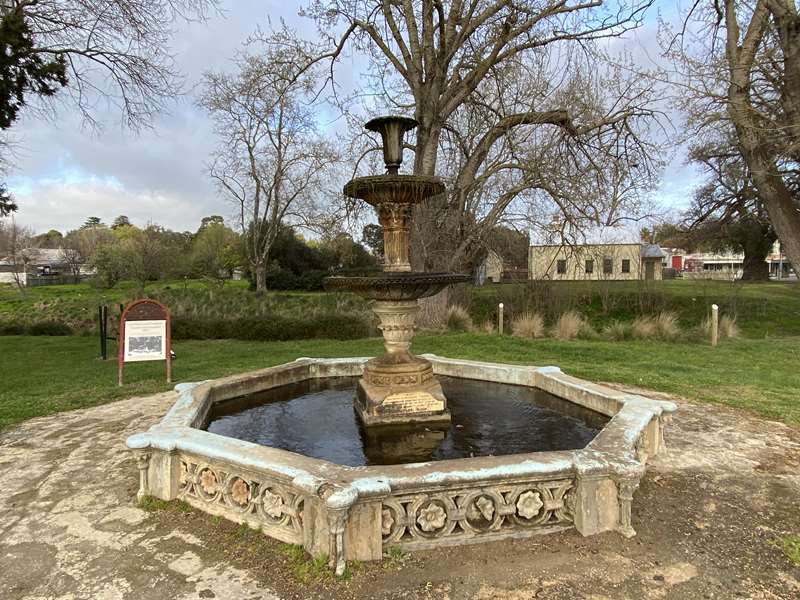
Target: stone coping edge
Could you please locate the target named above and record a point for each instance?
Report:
(614, 449)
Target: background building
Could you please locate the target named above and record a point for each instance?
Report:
(596, 262)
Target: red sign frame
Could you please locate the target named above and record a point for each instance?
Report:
(145, 309)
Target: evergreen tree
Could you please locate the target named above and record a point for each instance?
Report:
(23, 70)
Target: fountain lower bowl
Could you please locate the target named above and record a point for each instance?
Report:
(358, 513)
(395, 286)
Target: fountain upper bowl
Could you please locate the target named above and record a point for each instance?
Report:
(396, 189)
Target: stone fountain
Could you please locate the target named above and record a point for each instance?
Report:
(397, 387)
(507, 477)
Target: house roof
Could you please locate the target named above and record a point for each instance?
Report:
(44, 255)
(38, 256)
(652, 251)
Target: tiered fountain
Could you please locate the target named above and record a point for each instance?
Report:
(397, 387)
(531, 450)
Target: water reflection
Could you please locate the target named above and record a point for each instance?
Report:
(316, 418)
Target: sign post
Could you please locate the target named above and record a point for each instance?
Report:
(144, 334)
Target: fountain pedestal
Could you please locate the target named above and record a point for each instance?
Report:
(399, 387)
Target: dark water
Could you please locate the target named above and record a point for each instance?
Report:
(316, 418)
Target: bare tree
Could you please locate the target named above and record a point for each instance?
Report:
(727, 212)
(14, 241)
(514, 112)
(116, 51)
(270, 160)
(740, 68)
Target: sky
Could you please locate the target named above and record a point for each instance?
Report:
(65, 172)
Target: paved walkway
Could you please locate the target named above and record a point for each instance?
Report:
(708, 514)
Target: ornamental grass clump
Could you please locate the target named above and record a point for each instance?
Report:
(728, 327)
(569, 326)
(617, 331)
(528, 325)
(667, 325)
(458, 319)
(644, 328)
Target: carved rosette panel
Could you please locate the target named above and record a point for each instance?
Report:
(276, 507)
(490, 511)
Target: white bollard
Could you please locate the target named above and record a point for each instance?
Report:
(714, 324)
(500, 318)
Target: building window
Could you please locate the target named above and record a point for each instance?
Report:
(590, 266)
(626, 265)
(608, 266)
(561, 266)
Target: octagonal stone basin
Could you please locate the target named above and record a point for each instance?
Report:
(357, 512)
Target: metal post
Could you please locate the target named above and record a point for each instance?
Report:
(102, 333)
(714, 324)
(500, 318)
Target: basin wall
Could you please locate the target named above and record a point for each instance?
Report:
(350, 513)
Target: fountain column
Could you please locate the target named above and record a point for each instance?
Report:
(397, 388)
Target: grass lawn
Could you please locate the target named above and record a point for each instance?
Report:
(43, 375)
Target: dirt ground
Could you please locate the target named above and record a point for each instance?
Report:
(709, 516)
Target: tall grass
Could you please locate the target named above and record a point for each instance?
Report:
(528, 325)
(458, 319)
(568, 326)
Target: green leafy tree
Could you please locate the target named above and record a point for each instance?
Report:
(92, 222)
(121, 221)
(50, 239)
(372, 238)
(216, 253)
(109, 263)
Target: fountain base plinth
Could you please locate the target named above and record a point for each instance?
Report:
(399, 388)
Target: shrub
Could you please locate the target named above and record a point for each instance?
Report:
(667, 325)
(49, 328)
(12, 328)
(458, 319)
(528, 325)
(273, 328)
(644, 328)
(569, 326)
(617, 331)
(488, 326)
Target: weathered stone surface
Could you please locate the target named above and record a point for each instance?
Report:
(591, 489)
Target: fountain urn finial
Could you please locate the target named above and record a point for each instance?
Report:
(392, 130)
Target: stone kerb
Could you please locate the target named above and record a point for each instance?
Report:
(356, 513)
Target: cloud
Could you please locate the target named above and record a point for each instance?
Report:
(65, 172)
(64, 204)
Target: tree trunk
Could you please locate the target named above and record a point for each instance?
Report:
(260, 270)
(754, 266)
(783, 210)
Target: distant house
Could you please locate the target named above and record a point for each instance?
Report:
(497, 269)
(724, 265)
(38, 266)
(596, 262)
